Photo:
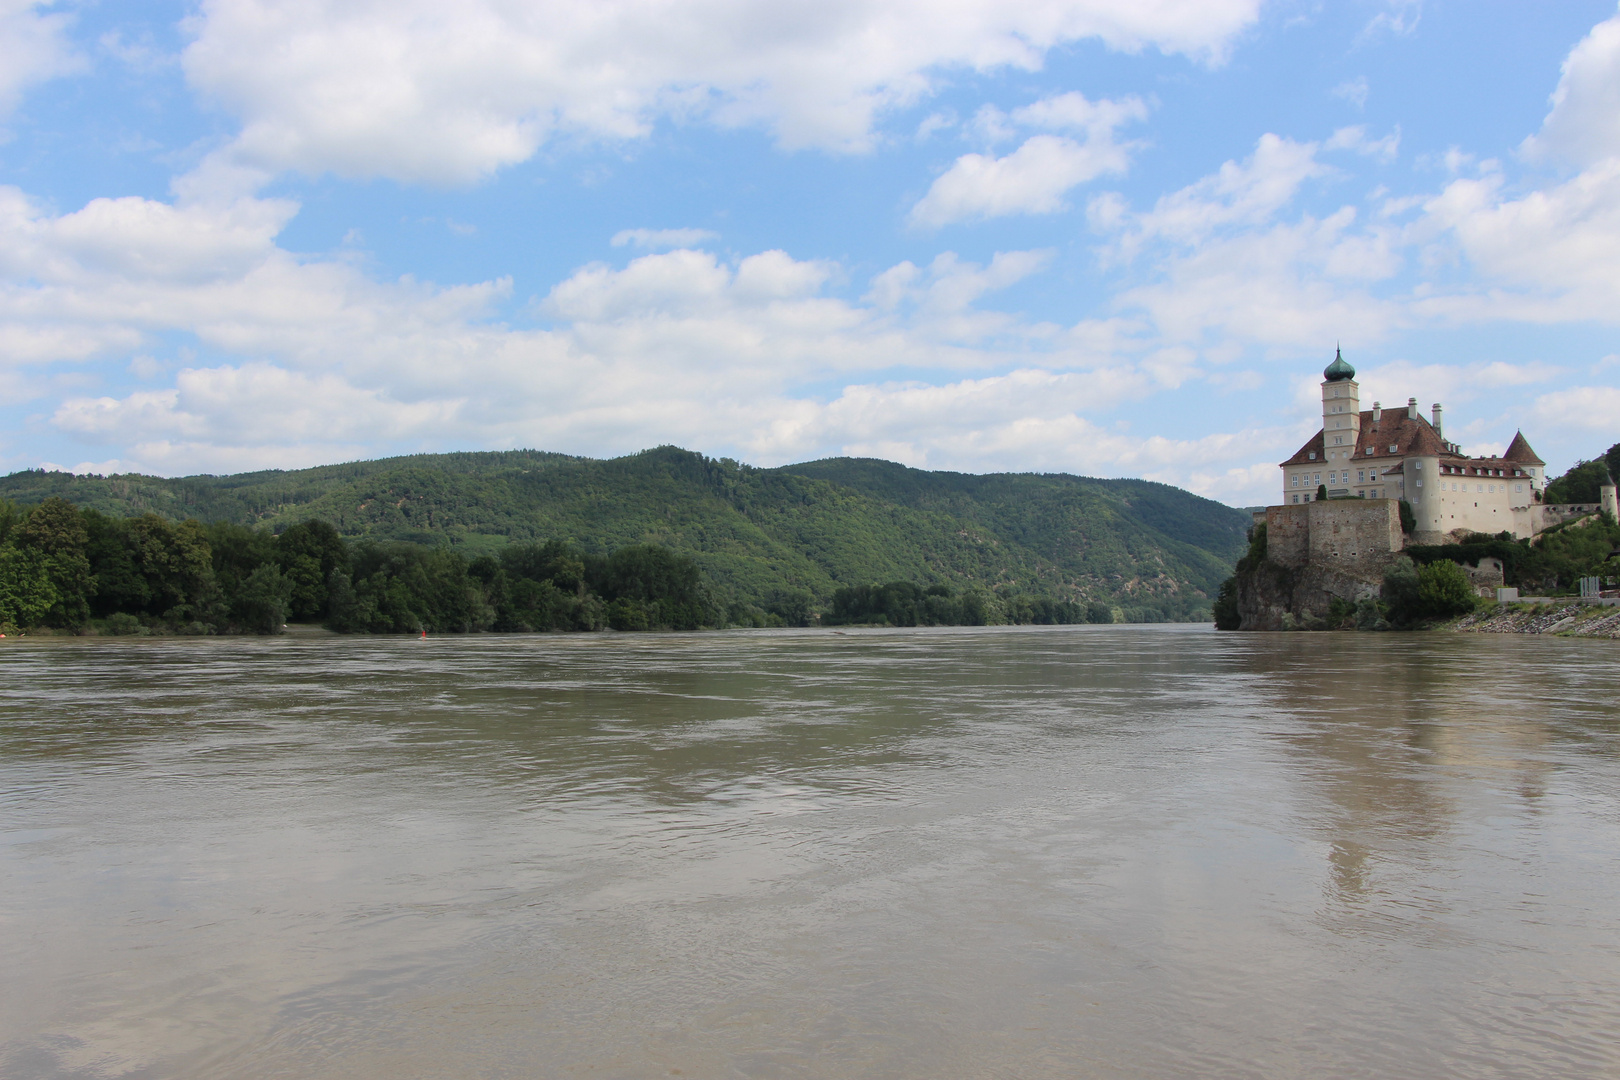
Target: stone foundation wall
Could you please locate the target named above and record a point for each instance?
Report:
(1358, 537)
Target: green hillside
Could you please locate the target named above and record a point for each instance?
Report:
(1154, 551)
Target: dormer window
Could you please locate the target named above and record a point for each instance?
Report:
(1392, 448)
(1313, 455)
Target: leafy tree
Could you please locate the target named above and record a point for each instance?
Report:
(11, 517)
(1438, 590)
(1400, 592)
(237, 551)
(1581, 483)
(26, 592)
(309, 553)
(177, 565)
(793, 606)
(666, 585)
(261, 603)
(1444, 590)
(55, 531)
(1227, 616)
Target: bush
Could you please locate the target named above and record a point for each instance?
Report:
(122, 623)
(1413, 594)
(1444, 590)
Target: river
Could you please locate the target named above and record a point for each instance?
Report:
(1066, 852)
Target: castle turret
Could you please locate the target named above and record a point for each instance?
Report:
(1341, 405)
(1607, 498)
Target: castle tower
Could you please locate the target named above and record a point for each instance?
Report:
(1341, 408)
(1607, 498)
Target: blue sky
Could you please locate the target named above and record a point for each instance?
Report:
(1110, 237)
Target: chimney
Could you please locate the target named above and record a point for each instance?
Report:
(1437, 419)
(1378, 410)
(1411, 408)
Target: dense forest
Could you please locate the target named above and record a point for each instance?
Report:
(69, 569)
(768, 544)
(63, 568)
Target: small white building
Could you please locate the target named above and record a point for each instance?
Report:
(1398, 454)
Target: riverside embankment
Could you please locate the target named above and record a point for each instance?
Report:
(1568, 618)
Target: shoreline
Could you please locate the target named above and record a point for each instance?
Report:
(1562, 618)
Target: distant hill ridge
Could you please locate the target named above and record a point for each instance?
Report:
(1155, 551)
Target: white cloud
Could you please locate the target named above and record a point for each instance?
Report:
(1246, 193)
(1353, 90)
(1224, 272)
(1590, 407)
(677, 346)
(1400, 20)
(205, 408)
(1552, 255)
(1034, 178)
(422, 91)
(1584, 124)
(1355, 138)
(658, 239)
(33, 49)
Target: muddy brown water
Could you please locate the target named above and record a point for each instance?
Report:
(1068, 852)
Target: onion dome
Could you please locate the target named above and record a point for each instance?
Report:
(1338, 371)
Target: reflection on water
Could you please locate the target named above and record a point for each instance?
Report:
(1098, 851)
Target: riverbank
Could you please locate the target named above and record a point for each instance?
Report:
(1566, 618)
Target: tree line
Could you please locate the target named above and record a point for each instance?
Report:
(906, 603)
(72, 569)
(76, 569)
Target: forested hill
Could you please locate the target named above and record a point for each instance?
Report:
(1154, 551)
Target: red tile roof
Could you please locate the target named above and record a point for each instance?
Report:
(1414, 438)
(1393, 428)
(1519, 451)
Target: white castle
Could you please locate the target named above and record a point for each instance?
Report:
(1398, 454)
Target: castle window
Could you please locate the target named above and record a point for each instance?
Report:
(1296, 498)
(1392, 447)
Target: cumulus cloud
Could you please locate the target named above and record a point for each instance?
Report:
(678, 346)
(1552, 255)
(1583, 126)
(422, 91)
(1227, 268)
(1034, 178)
(1592, 408)
(1245, 194)
(33, 48)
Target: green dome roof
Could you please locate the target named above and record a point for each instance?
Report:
(1338, 371)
